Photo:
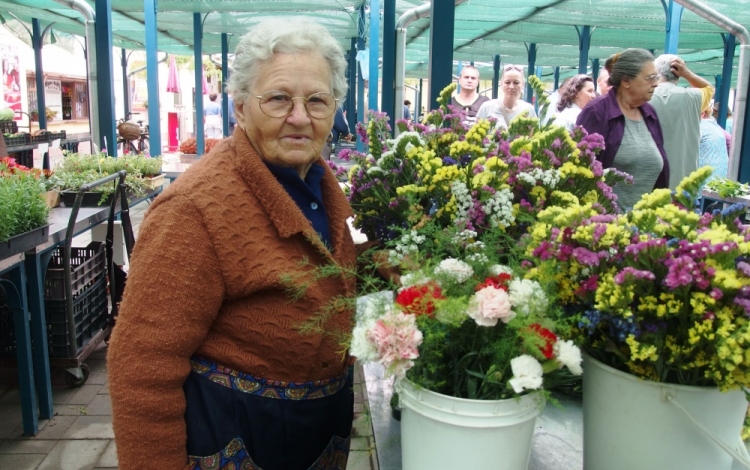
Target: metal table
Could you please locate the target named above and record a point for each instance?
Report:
(16, 295)
(172, 170)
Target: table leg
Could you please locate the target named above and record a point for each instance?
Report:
(16, 295)
(35, 268)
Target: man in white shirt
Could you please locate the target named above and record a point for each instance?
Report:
(469, 98)
(602, 87)
(679, 113)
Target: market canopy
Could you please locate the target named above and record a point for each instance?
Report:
(483, 28)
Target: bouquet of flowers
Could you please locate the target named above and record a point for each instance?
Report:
(662, 292)
(463, 325)
(479, 177)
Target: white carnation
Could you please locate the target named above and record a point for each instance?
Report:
(527, 373)
(455, 269)
(568, 355)
(527, 296)
(497, 269)
(362, 348)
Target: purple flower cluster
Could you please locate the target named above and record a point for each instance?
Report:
(632, 273)
(685, 270)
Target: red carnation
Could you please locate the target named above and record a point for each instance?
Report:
(548, 337)
(419, 300)
(498, 282)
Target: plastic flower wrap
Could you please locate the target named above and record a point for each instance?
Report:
(662, 292)
(472, 176)
(456, 326)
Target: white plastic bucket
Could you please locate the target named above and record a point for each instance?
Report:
(442, 432)
(629, 423)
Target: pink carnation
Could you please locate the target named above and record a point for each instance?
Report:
(396, 338)
(490, 305)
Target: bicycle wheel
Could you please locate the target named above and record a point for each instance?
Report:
(143, 144)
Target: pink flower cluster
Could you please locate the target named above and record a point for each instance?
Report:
(396, 338)
(489, 305)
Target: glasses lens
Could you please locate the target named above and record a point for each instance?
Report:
(321, 105)
(276, 103)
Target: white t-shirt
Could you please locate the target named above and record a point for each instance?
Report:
(567, 117)
(496, 109)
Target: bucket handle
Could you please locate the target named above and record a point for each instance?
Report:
(741, 456)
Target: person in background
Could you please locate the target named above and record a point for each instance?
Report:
(602, 82)
(632, 135)
(407, 111)
(679, 112)
(553, 99)
(339, 131)
(578, 92)
(207, 365)
(232, 119)
(212, 118)
(508, 107)
(727, 125)
(713, 150)
(469, 99)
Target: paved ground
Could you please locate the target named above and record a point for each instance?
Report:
(80, 436)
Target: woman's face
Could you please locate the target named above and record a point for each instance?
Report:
(297, 139)
(512, 84)
(641, 87)
(586, 94)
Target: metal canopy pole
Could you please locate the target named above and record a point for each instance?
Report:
(41, 104)
(531, 48)
(674, 18)
(557, 77)
(351, 80)
(104, 76)
(442, 24)
(125, 84)
(224, 78)
(584, 44)
(722, 92)
(388, 102)
(198, 56)
(459, 68)
(152, 77)
(595, 70)
(495, 75)
(360, 80)
(374, 45)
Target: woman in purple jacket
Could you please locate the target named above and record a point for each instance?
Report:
(632, 135)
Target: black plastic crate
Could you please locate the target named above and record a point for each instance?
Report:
(22, 139)
(87, 266)
(8, 127)
(90, 311)
(56, 135)
(7, 330)
(42, 138)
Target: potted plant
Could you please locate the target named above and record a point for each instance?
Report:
(23, 211)
(661, 299)
(473, 347)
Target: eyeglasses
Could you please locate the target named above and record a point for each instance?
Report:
(652, 78)
(512, 67)
(278, 104)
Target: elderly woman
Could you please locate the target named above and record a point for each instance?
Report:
(632, 135)
(510, 106)
(208, 364)
(574, 96)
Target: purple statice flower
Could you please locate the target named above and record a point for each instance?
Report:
(599, 232)
(603, 218)
(362, 133)
(478, 169)
(744, 268)
(588, 285)
(504, 148)
(476, 213)
(522, 162)
(585, 257)
(489, 189)
(556, 144)
(564, 252)
(465, 160)
(597, 168)
(345, 154)
(684, 270)
(705, 220)
(719, 248)
(552, 157)
(449, 161)
(526, 264)
(709, 316)
(633, 273)
(716, 293)
(543, 251)
(525, 204)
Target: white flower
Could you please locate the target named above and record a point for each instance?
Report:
(568, 355)
(413, 279)
(362, 348)
(455, 269)
(497, 269)
(375, 169)
(527, 296)
(527, 373)
(499, 208)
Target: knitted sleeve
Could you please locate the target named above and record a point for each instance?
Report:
(174, 291)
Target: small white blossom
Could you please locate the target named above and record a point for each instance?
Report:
(497, 269)
(374, 169)
(527, 296)
(455, 269)
(527, 373)
(499, 208)
(479, 258)
(361, 347)
(464, 202)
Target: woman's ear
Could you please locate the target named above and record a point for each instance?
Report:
(239, 114)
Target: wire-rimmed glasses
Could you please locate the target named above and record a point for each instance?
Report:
(276, 104)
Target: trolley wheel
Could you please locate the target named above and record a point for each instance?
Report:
(74, 382)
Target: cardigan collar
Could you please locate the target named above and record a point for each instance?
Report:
(281, 209)
(613, 111)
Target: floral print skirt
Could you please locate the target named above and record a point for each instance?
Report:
(236, 421)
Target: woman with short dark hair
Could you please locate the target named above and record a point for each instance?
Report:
(632, 134)
(574, 96)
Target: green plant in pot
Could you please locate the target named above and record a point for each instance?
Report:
(22, 205)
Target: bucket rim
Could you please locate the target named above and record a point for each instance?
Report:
(633, 378)
(535, 395)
